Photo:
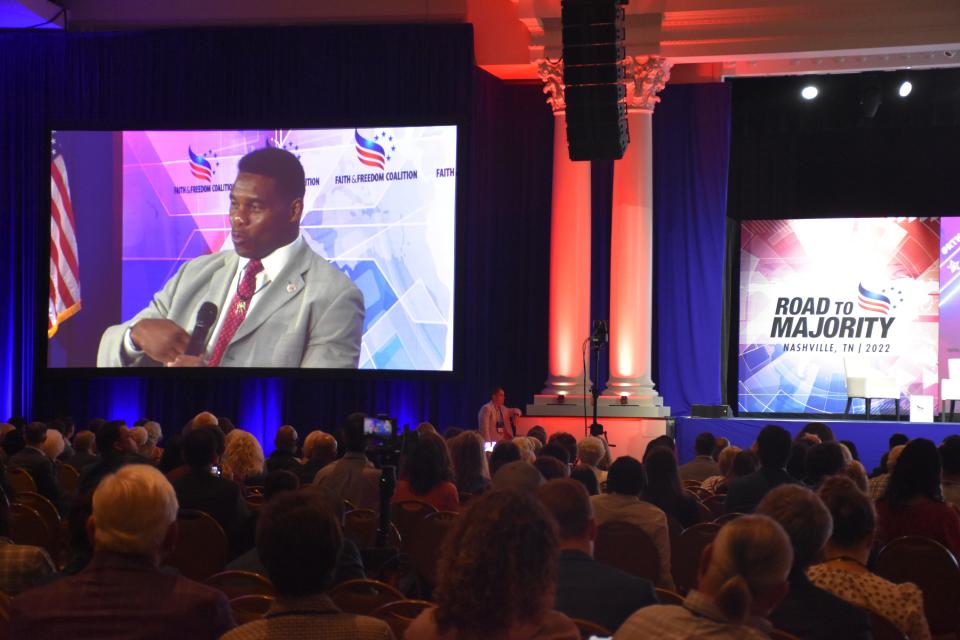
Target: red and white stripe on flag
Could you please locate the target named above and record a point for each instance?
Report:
(64, 267)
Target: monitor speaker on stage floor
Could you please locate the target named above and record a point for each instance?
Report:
(593, 77)
(710, 411)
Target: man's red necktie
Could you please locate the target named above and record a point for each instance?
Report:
(237, 311)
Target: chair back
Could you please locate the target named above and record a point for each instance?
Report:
(28, 527)
(360, 525)
(675, 527)
(953, 368)
(883, 629)
(727, 517)
(590, 629)
(930, 566)
(716, 504)
(400, 614)
(407, 516)
(425, 550)
(777, 634)
(685, 556)
(628, 548)
(240, 583)
(47, 511)
(5, 603)
(690, 484)
(698, 492)
(68, 478)
(665, 596)
(363, 597)
(20, 481)
(250, 608)
(201, 548)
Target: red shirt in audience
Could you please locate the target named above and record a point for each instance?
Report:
(922, 517)
(443, 497)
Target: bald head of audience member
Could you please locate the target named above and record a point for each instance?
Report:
(85, 442)
(320, 446)
(569, 504)
(202, 419)
(803, 516)
(286, 439)
(134, 513)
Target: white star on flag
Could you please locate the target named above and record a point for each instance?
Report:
(954, 266)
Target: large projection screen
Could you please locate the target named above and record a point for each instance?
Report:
(139, 216)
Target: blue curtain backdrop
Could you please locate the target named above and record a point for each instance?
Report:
(319, 75)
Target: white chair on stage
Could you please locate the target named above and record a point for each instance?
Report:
(865, 382)
(950, 387)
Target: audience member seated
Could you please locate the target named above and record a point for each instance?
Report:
(797, 461)
(852, 448)
(349, 561)
(34, 461)
(284, 454)
(22, 566)
(556, 451)
(844, 572)
(585, 476)
(590, 452)
(665, 442)
(353, 477)
(566, 441)
(518, 475)
(551, 468)
(703, 465)
(588, 589)
(200, 489)
(242, 459)
(878, 484)
(719, 445)
(13, 443)
(122, 593)
(451, 432)
(808, 611)
(950, 483)
(504, 452)
(494, 590)
(527, 451)
(201, 420)
(54, 446)
(664, 490)
(471, 473)
(823, 460)
(140, 436)
(66, 428)
(226, 425)
(150, 450)
(299, 539)
(895, 440)
(172, 457)
(822, 431)
(622, 503)
(116, 450)
(913, 504)
(713, 484)
(773, 448)
(84, 446)
(427, 475)
(539, 433)
(743, 576)
(319, 450)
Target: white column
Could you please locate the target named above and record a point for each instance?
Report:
(631, 245)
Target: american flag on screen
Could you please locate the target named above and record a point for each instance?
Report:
(199, 166)
(873, 301)
(369, 152)
(64, 268)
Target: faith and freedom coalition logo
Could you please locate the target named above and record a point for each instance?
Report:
(371, 152)
(876, 301)
(200, 167)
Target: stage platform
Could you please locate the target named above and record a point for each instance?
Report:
(870, 436)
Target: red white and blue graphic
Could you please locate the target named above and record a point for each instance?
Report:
(370, 152)
(873, 301)
(200, 166)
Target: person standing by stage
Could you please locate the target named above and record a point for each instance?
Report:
(496, 421)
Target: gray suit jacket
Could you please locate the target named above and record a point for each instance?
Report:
(310, 315)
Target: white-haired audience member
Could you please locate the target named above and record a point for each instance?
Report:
(139, 436)
(527, 451)
(725, 462)
(150, 450)
(590, 451)
(243, 460)
(878, 484)
(319, 450)
(122, 593)
(743, 575)
(85, 446)
(54, 445)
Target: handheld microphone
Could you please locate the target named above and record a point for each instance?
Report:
(206, 317)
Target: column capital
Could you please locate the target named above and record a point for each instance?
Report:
(550, 71)
(646, 77)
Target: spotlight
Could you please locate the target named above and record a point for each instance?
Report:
(624, 397)
(809, 92)
(561, 397)
(905, 89)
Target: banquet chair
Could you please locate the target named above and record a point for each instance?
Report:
(627, 547)
(868, 384)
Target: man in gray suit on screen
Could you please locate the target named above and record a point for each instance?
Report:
(280, 304)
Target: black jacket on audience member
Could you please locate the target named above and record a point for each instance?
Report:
(283, 460)
(40, 468)
(223, 500)
(593, 591)
(744, 494)
(811, 613)
(82, 460)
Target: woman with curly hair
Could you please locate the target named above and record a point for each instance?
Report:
(489, 591)
(427, 475)
(470, 470)
(243, 460)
